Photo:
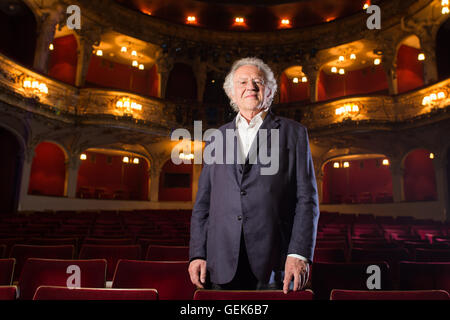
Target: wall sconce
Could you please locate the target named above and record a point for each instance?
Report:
(431, 155)
(136, 160)
(125, 160)
(341, 71)
(445, 9)
(385, 162)
(421, 56)
(346, 164)
(334, 69)
(353, 56)
(377, 61)
(83, 156)
(347, 109)
(191, 19)
(336, 165)
(433, 98)
(128, 105)
(295, 80)
(304, 79)
(33, 86)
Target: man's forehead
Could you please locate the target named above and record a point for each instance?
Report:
(248, 70)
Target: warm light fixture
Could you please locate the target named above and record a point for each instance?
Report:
(352, 56)
(51, 47)
(32, 85)
(385, 162)
(239, 20)
(341, 58)
(444, 3)
(83, 156)
(341, 71)
(141, 67)
(366, 5)
(377, 61)
(189, 156)
(136, 160)
(346, 164)
(336, 165)
(421, 56)
(433, 97)
(191, 19)
(431, 155)
(99, 53)
(123, 49)
(135, 63)
(347, 109)
(128, 104)
(134, 53)
(295, 80)
(445, 10)
(125, 159)
(333, 69)
(304, 79)
(285, 22)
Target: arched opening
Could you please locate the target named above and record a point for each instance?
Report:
(48, 170)
(63, 59)
(294, 85)
(409, 67)
(175, 182)
(358, 78)
(419, 177)
(112, 174)
(443, 50)
(18, 37)
(10, 171)
(357, 179)
(181, 84)
(214, 92)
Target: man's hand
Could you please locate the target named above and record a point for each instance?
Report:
(197, 272)
(297, 269)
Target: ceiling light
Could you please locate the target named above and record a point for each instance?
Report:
(239, 20)
(366, 5)
(285, 22)
(191, 19)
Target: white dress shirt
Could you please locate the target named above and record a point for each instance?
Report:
(246, 134)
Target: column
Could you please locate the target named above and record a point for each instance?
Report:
(397, 172)
(46, 32)
(430, 72)
(154, 173)
(164, 65)
(389, 63)
(87, 39)
(25, 178)
(441, 185)
(72, 166)
(200, 75)
(312, 72)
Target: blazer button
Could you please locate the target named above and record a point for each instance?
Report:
(239, 218)
(243, 192)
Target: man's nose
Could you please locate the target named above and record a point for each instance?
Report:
(251, 85)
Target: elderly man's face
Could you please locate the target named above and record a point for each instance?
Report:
(249, 88)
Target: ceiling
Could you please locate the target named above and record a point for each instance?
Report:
(259, 15)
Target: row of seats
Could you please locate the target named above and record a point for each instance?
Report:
(64, 293)
(171, 279)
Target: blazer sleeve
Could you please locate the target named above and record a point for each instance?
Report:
(200, 214)
(304, 228)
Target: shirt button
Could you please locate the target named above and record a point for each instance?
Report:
(239, 218)
(243, 192)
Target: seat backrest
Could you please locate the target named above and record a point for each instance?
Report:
(108, 242)
(252, 295)
(338, 294)
(8, 293)
(64, 293)
(424, 275)
(112, 254)
(430, 255)
(353, 276)
(54, 272)
(170, 278)
(6, 271)
(167, 253)
(22, 252)
(329, 255)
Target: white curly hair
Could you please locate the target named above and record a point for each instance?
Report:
(271, 82)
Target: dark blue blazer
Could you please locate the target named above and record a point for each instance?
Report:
(278, 214)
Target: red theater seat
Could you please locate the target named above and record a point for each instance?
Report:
(2, 250)
(6, 271)
(22, 252)
(167, 253)
(8, 293)
(52, 272)
(252, 295)
(112, 254)
(352, 276)
(108, 242)
(329, 255)
(431, 255)
(171, 279)
(424, 275)
(389, 295)
(64, 293)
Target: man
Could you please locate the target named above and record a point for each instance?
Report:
(249, 230)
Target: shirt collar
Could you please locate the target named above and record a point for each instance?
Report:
(259, 118)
